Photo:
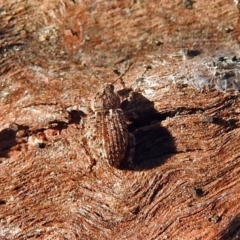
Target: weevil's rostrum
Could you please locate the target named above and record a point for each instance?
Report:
(105, 132)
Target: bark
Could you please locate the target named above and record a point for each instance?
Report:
(180, 61)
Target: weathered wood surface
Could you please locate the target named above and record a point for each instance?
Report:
(186, 181)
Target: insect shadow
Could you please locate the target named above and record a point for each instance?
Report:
(232, 231)
(153, 143)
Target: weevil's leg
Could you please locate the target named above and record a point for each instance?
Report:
(92, 161)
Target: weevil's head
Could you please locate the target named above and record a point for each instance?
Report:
(105, 98)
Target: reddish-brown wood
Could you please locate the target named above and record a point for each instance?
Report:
(186, 184)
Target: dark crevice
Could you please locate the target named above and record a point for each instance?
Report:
(2, 202)
(8, 137)
(75, 116)
(58, 125)
(15, 47)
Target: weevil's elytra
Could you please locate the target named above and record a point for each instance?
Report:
(104, 130)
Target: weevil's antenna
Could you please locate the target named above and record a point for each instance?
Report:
(119, 77)
(91, 72)
(122, 75)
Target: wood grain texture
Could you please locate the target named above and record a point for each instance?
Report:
(186, 182)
